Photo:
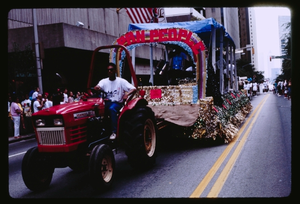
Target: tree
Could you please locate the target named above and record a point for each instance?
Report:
(246, 69)
(286, 62)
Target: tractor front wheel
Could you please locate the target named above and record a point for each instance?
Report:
(101, 167)
(36, 170)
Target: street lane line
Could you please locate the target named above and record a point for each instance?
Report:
(13, 155)
(215, 190)
(205, 181)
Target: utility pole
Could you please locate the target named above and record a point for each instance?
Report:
(37, 51)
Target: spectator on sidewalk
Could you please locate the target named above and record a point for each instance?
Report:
(241, 85)
(254, 88)
(15, 112)
(65, 96)
(62, 99)
(247, 88)
(21, 115)
(285, 88)
(30, 94)
(78, 97)
(275, 87)
(10, 122)
(35, 94)
(57, 97)
(47, 101)
(26, 105)
(38, 104)
(71, 97)
(279, 90)
(289, 89)
(9, 101)
(282, 87)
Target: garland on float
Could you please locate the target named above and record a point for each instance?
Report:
(213, 121)
(221, 121)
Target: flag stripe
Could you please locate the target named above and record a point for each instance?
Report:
(131, 15)
(140, 15)
(135, 16)
(149, 14)
(138, 19)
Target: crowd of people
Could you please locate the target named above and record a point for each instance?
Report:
(21, 108)
(279, 87)
(253, 88)
(283, 88)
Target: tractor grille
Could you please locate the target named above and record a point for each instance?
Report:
(51, 136)
(78, 133)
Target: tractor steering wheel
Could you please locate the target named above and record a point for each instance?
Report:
(99, 93)
(102, 94)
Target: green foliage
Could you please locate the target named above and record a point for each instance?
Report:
(286, 62)
(248, 70)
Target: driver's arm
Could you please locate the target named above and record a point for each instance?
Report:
(132, 91)
(97, 87)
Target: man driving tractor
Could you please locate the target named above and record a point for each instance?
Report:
(118, 90)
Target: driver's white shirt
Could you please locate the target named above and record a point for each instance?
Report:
(115, 89)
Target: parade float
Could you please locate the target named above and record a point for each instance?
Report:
(205, 105)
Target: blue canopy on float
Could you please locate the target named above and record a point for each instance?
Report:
(201, 28)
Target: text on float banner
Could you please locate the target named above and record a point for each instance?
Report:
(163, 35)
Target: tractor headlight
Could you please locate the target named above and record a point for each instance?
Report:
(58, 122)
(40, 122)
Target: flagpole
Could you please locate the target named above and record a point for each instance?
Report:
(151, 50)
(133, 62)
(37, 51)
(151, 64)
(151, 56)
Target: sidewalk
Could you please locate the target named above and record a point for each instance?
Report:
(22, 137)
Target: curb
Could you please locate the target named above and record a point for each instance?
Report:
(22, 137)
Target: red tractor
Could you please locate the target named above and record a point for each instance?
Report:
(76, 135)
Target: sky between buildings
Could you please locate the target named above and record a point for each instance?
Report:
(267, 34)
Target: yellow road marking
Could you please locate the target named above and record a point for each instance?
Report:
(205, 181)
(215, 190)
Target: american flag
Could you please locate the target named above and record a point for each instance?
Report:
(142, 15)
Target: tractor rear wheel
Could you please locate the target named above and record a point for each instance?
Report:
(139, 137)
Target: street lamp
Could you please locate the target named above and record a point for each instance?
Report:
(246, 65)
(57, 74)
(241, 50)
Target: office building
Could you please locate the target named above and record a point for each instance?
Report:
(229, 18)
(68, 38)
(252, 32)
(245, 34)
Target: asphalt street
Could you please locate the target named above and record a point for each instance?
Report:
(257, 164)
(266, 158)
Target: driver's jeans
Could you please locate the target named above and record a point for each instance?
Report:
(113, 108)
